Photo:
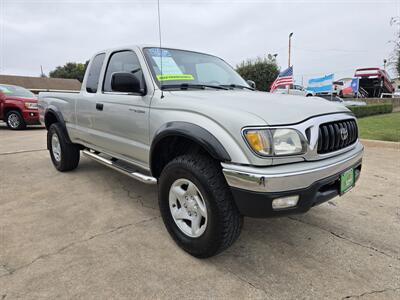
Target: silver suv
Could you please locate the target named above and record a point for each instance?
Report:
(218, 149)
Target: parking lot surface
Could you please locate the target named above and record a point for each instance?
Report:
(95, 234)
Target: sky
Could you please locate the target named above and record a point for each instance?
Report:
(328, 36)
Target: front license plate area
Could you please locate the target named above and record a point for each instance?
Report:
(346, 181)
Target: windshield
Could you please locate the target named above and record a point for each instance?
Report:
(15, 91)
(186, 67)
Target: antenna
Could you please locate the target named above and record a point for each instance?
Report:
(161, 52)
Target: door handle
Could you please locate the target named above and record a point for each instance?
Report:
(99, 106)
(139, 111)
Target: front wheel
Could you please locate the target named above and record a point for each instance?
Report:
(15, 120)
(197, 207)
(64, 155)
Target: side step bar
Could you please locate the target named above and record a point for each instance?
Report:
(120, 167)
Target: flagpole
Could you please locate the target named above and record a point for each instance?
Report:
(358, 86)
(290, 46)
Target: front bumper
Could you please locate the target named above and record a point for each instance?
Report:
(31, 116)
(314, 182)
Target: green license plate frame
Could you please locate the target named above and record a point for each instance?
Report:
(347, 181)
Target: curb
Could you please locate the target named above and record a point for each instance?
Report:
(380, 144)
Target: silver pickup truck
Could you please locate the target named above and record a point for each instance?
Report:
(217, 148)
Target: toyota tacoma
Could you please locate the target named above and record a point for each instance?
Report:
(217, 148)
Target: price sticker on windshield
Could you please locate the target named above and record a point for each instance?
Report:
(164, 61)
(171, 77)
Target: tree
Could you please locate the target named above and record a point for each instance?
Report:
(397, 66)
(70, 70)
(395, 57)
(263, 71)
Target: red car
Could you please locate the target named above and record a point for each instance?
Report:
(18, 107)
(374, 81)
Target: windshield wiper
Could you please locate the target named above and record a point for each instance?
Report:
(238, 86)
(185, 86)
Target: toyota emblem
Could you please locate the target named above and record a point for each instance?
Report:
(344, 133)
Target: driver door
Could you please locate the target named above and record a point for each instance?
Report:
(121, 119)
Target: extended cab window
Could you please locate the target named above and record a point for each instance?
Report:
(124, 61)
(94, 73)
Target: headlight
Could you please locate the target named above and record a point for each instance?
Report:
(31, 105)
(275, 142)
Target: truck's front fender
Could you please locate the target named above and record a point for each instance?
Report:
(192, 132)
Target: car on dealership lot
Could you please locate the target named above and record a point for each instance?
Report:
(375, 81)
(335, 98)
(18, 107)
(218, 149)
(294, 89)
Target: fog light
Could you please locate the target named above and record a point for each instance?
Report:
(285, 202)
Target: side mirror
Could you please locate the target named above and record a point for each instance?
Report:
(251, 83)
(125, 82)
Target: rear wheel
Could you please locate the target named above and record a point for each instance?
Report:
(15, 120)
(197, 206)
(64, 155)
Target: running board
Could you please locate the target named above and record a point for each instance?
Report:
(122, 167)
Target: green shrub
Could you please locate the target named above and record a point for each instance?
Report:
(371, 109)
(263, 71)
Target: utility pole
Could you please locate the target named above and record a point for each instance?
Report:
(290, 46)
(384, 63)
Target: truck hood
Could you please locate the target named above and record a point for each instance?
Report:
(274, 109)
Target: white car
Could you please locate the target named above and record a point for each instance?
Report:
(294, 89)
(347, 103)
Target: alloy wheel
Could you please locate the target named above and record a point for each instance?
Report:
(13, 120)
(56, 147)
(188, 208)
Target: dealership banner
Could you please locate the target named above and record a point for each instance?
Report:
(321, 84)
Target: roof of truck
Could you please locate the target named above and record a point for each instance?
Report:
(141, 46)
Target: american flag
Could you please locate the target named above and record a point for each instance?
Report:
(284, 78)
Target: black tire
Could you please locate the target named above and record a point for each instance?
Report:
(224, 220)
(14, 120)
(69, 154)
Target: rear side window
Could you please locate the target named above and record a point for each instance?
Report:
(123, 61)
(94, 73)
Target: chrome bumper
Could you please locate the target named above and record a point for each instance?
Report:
(290, 176)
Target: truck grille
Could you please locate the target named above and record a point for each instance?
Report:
(336, 135)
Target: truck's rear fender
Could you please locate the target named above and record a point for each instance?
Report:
(183, 135)
(53, 115)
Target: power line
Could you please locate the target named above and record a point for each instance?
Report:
(319, 73)
(332, 50)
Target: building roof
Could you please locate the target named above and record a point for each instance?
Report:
(41, 83)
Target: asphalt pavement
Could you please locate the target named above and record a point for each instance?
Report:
(94, 233)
